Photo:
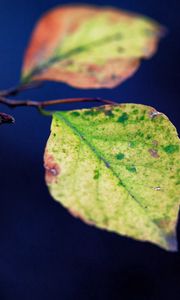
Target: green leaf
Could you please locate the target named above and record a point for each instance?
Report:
(117, 167)
(88, 46)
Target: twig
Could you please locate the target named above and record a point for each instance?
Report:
(20, 88)
(15, 103)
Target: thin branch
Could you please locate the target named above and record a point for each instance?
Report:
(20, 88)
(15, 103)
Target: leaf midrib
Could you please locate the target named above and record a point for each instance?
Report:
(60, 57)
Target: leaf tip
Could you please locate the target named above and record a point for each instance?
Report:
(172, 244)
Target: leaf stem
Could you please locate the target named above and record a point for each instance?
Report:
(15, 103)
(20, 88)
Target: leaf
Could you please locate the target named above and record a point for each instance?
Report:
(117, 167)
(88, 46)
(4, 119)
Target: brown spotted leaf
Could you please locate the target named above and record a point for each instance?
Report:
(117, 167)
(88, 46)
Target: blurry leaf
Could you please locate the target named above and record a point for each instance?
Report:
(117, 168)
(89, 46)
(4, 118)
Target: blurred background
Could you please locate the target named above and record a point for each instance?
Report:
(44, 252)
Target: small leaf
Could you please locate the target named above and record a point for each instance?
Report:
(89, 46)
(4, 119)
(117, 167)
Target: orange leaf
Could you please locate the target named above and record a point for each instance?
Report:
(89, 46)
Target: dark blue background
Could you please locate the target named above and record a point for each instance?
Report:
(44, 252)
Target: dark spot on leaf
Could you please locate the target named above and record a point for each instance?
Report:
(120, 49)
(132, 144)
(93, 69)
(148, 137)
(101, 108)
(82, 137)
(154, 113)
(140, 133)
(88, 112)
(171, 148)
(141, 118)
(92, 112)
(96, 174)
(114, 76)
(119, 183)
(51, 167)
(135, 111)
(109, 113)
(75, 114)
(131, 169)
(153, 153)
(123, 118)
(120, 156)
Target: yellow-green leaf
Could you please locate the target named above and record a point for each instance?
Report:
(117, 167)
(88, 46)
